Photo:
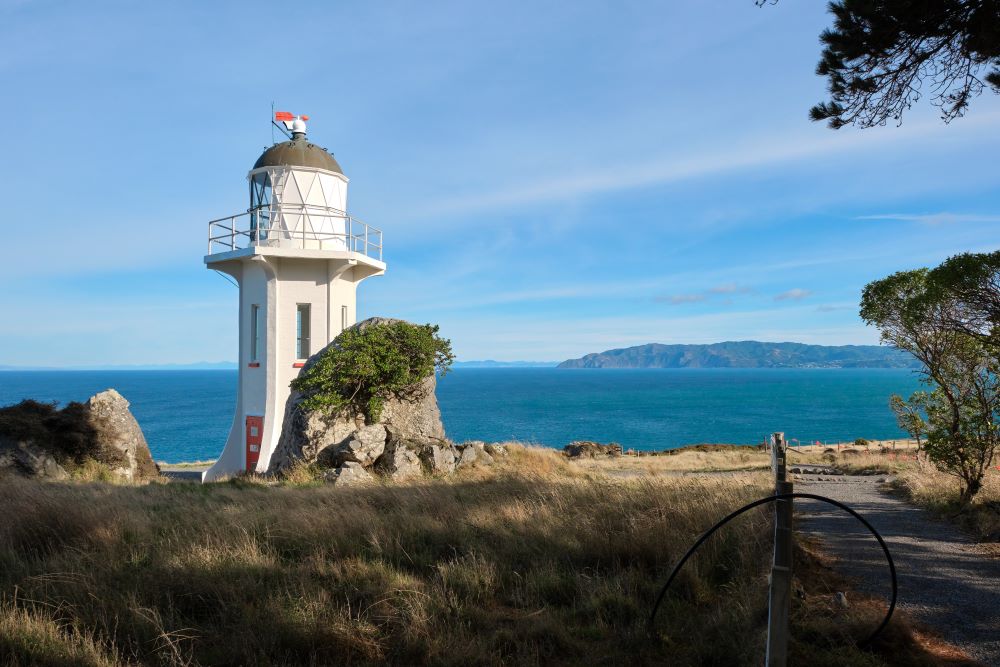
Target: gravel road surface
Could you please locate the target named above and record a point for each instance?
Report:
(946, 581)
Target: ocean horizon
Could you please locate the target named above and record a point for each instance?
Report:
(186, 414)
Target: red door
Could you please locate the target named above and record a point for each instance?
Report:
(255, 434)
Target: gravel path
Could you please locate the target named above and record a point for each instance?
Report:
(945, 580)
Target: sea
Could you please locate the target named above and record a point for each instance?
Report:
(186, 414)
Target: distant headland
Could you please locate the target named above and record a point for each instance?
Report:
(746, 354)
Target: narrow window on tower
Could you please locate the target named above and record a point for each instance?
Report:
(302, 331)
(343, 317)
(255, 332)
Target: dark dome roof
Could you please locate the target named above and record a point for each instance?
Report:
(297, 153)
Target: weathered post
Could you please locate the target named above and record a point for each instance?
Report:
(779, 601)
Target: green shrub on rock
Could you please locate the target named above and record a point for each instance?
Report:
(368, 364)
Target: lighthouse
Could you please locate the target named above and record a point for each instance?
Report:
(297, 257)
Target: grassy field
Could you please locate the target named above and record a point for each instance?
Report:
(924, 485)
(533, 561)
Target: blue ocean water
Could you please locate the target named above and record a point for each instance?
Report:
(186, 415)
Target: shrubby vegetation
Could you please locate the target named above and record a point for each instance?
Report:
(949, 319)
(528, 562)
(366, 365)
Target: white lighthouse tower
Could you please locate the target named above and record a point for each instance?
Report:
(298, 258)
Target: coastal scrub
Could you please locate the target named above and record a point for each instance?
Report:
(528, 562)
(367, 365)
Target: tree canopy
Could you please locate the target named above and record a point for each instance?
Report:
(879, 54)
(926, 313)
(366, 365)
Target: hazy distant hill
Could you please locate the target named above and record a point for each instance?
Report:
(196, 366)
(747, 354)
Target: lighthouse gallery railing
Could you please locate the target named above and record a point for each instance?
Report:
(255, 228)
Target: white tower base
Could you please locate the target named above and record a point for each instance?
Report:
(293, 302)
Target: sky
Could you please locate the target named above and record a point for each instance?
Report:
(551, 178)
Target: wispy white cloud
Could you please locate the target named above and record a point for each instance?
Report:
(834, 307)
(681, 298)
(729, 288)
(697, 297)
(942, 218)
(794, 294)
(767, 151)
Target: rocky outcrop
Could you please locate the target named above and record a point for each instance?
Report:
(349, 474)
(472, 453)
(591, 450)
(408, 441)
(40, 440)
(409, 424)
(117, 437)
(28, 460)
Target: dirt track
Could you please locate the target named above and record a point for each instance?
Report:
(946, 581)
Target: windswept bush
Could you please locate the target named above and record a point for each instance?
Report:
(368, 364)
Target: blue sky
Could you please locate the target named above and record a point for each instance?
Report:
(552, 178)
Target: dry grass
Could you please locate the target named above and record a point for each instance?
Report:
(686, 460)
(927, 486)
(529, 562)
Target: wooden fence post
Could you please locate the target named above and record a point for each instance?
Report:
(780, 596)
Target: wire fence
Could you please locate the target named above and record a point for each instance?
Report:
(798, 444)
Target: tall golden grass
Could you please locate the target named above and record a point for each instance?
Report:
(529, 562)
(925, 485)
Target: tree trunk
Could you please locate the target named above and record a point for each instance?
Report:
(971, 488)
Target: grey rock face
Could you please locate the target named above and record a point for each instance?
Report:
(417, 415)
(399, 461)
(363, 446)
(592, 450)
(409, 439)
(44, 441)
(350, 473)
(28, 460)
(117, 432)
(439, 458)
(473, 453)
(495, 451)
(306, 434)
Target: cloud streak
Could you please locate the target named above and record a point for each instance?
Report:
(942, 218)
(794, 294)
(771, 150)
(727, 289)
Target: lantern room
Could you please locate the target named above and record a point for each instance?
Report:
(298, 195)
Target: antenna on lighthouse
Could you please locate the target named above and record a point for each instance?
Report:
(290, 123)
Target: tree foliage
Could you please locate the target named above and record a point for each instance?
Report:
(972, 280)
(917, 311)
(878, 55)
(911, 414)
(367, 365)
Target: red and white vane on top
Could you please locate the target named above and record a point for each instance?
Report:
(294, 124)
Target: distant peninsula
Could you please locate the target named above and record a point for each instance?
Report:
(747, 354)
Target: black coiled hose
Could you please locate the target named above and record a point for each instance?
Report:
(771, 499)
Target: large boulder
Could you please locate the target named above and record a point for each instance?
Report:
(40, 440)
(592, 450)
(349, 474)
(28, 460)
(119, 438)
(473, 453)
(363, 446)
(392, 447)
(399, 461)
